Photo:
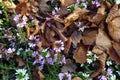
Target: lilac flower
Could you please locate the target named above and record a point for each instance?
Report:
(24, 18)
(48, 18)
(10, 50)
(59, 46)
(20, 25)
(61, 75)
(55, 57)
(16, 18)
(32, 45)
(109, 71)
(50, 61)
(31, 37)
(63, 60)
(102, 77)
(35, 53)
(96, 2)
(51, 1)
(40, 67)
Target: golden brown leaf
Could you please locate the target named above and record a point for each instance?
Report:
(96, 50)
(101, 60)
(67, 2)
(102, 41)
(74, 16)
(80, 54)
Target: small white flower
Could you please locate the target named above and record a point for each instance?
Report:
(113, 77)
(10, 50)
(95, 57)
(118, 72)
(85, 75)
(23, 73)
(89, 53)
(117, 1)
(89, 61)
(109, 63)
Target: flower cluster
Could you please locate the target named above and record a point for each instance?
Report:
(63, 76)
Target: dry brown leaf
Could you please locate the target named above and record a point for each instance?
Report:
(80, 54)
(61, 36)
(76, 37)
(74, 16)
(102, 40)
(76, 78)
(43, 6)
(38, 75)
(20, 61)
(101, 60)
(27, 30)
(113, 56)
(21, 8)
(67, 2)
(67, 46)
(69, 66)
(89, 37)
(116, 47)
(99, 16)
(97, 51)
(113, 20)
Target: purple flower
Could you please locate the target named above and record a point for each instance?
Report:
(10, 50)
(109, 71)
(40, 67)
(35, 53)
(32, 45)
(55, 57)
(31, 37)
(50, 61)
(16, 18)
(96, 2)
(102, 77)
(68, 76)
(61, 75)
(63, 60)
(59, 46)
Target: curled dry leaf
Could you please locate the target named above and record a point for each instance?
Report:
(76, 37)
(67, 2)
(67, 46)
(89, 37)
(116, 47)
(101, 60)
(99, 16)
(113, 56)
(113, 21)
(74, 16)
(102, 40)
(80, 54)
(20, 61)
(96, 50)
(76, 78)
(69, 66)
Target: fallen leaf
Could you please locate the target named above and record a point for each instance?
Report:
(113, 20)
(21, 8)
(113, 56)
(76, 78)
(38, 75)
(102, 40)
(69, 66)
(76, 37)
(20, 61)
(89, 37)
(67, 2)
(67, 46)
(96, 50)
(101, 60)
(116, 47)
(80, 54)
